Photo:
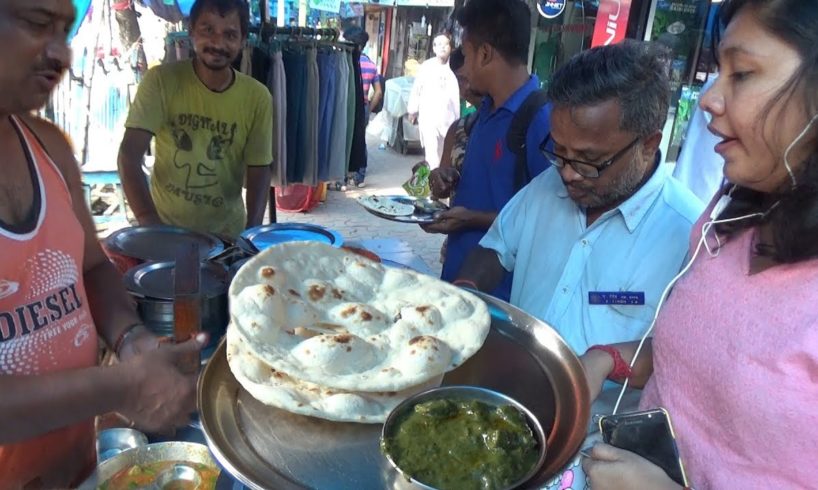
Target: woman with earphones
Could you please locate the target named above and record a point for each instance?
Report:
(734, 353)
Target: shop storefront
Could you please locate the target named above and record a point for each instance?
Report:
(414, 24)
(685, 27)
(564, 28)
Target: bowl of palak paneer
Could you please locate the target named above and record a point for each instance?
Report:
(463, 438)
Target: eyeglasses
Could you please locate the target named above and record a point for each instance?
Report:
(585, 169)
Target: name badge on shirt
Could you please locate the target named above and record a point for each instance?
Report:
(632, 298)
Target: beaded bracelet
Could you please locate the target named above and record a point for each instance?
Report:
(621, 369)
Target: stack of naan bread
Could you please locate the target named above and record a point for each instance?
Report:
(321, 331)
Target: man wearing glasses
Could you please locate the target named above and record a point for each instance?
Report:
(594, 240)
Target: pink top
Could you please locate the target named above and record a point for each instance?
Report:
(736, 366)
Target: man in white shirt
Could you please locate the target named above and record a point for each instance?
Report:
(434, 103)
(594, 240)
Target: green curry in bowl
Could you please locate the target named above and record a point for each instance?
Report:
(464, 442)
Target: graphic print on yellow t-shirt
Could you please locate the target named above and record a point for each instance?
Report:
(201, 172)
(204, 142)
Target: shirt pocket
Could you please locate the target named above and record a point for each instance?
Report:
(618, 323)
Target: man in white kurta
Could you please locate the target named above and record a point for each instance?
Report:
(435, 100)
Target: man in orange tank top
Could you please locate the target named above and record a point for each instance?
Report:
(58, 292)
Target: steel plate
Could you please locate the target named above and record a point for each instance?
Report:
(268, 235)
(155, 280)
(159, 243)
(418, 217)
(264, 447)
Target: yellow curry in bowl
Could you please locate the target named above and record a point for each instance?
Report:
(146, 475)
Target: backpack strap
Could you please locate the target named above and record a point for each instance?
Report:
(518, 133)
(468, 124)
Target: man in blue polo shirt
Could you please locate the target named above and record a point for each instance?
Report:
(495, 45)
(594, 240)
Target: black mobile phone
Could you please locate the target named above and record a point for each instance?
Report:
(648, 434)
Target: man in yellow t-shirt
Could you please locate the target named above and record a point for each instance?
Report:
(213, 129)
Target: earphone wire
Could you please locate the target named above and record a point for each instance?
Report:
(706, 227)
(793, 145)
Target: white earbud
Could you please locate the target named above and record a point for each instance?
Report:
(792, 145)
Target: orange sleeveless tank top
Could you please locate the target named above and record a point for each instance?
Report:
(45, 322)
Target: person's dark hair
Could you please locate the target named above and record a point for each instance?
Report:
(357, 36)
(503, 24)
(457, 60)
(794, 220)
(223, 7)
(631, 72)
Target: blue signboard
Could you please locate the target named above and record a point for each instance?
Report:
(551, 9)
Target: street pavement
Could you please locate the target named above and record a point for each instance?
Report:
(387, 171)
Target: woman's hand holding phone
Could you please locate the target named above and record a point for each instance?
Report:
(611, 468)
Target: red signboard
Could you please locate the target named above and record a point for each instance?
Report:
(611, 22)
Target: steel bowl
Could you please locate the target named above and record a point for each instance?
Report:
(459, 393)
(151, 285)
(183, 452)
(111, 442)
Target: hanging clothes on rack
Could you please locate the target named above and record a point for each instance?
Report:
(312, 79)
(326, 109)
(358, 157)
(277, 82)
(295, 65)
(352, 96)
(311, 117)
(338, 135)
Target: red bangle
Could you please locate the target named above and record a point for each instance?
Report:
(467, 283)
(621, 370)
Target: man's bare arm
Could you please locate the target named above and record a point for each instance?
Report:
(132, 151)
(258, 191)
(483, 268)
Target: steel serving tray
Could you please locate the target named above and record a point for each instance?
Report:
(265, 447)
(418, 217)
(159, 243)
(268, 235)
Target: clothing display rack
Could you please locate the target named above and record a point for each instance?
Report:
(318, 107)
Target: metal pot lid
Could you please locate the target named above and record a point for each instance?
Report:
(155, 280)
(159, 243)
(266, 236)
